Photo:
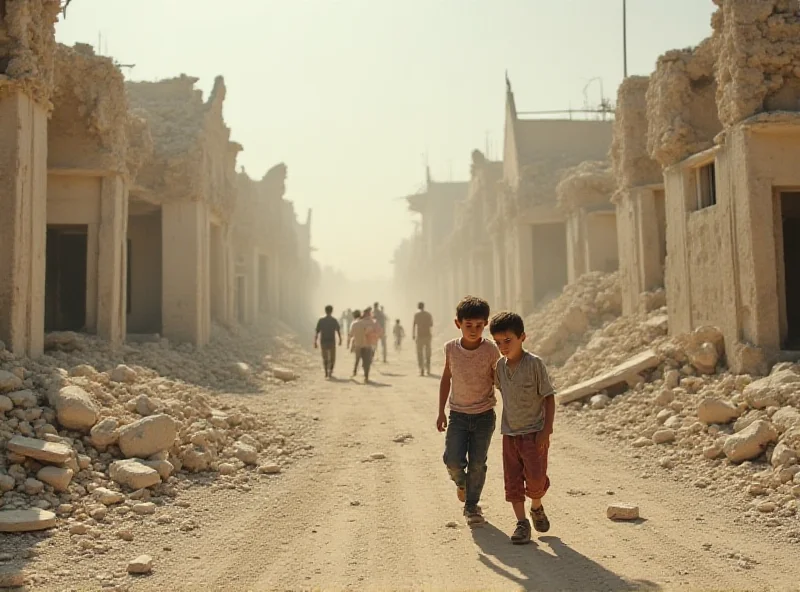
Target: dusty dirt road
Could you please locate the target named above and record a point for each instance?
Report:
(338, 520)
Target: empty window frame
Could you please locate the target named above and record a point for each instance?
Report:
(706, 186)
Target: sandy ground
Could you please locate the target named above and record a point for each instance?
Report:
(339, 520)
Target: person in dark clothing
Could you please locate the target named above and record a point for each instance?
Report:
(325, 338)
(380, 318)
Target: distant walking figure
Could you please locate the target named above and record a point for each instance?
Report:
(327, 330)
(347, 318)
(399, 334)
(380, 318)
(363, 336)
(421, 332)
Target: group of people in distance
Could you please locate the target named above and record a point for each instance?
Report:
(474, 367)
(365, 331)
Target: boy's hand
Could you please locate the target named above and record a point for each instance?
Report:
(542, 439)
(441, 422)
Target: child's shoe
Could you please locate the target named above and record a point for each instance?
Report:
(540, 521)
(461, 492)
(474, 515)
(522, 533)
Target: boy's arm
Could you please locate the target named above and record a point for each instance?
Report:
(444, 393)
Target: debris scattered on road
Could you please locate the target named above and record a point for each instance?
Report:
(622, 512)
(403, 438)
(141, 565)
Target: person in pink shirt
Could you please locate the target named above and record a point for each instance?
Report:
(467, 387)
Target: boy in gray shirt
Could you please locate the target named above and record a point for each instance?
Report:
(526, 425)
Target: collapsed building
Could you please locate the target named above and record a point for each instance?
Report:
(120, 198)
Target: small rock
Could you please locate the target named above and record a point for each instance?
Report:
(622, 512)
(147, 436)
(133, 473)
(663, 436)
(226, 469)
(750, 442)
(767, 507)
(75, 409)
(269, 469)
(33, 486)
(141, 565)
(401, 438)
(716, 411)
(783, 455)
(78, 529)
(98, 512)
(58, 478)
(123, 373)
(241, 369)
(7, 483)
(9, 382)
(665, 397)
(40, 450)
(704, 357)
(108, 497)
(452, 524)
(284, 374)
(599, 401)
(144, 508)
(6, 404)
(355, 503)
(125, 535)
(245, 453)
(712, 452)
(12, 577)
(377, 456)
(642, 442)
(104, 433)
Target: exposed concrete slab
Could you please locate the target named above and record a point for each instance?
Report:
(26, 520)
(40, 450)
(643, 361)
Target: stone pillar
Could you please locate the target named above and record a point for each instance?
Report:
(23, 222)
(524, 269)
(112, 266)
(185, 289)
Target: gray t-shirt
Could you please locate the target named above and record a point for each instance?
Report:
(523, 390)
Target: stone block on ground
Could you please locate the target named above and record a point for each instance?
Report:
(26, 520)
(108, 497)
(52, 452)
(284, 374)
(141, 565)
(75, 409)
(622, 512)
(766, 392)
(133, 473)
(713, 410)
(147, 436)
(57, 477)
(750, 442)
(104, 433)
(617, 375)
(123, 373)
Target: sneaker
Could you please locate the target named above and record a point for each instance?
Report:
(474, 515)
(522, 533)
(540, 521)
(461, 492)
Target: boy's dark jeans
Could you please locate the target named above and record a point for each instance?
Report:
(466, 447)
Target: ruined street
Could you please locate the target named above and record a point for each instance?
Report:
(341, 518)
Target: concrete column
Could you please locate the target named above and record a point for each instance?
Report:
(251, 300)
(185, 287)
(92, 289)
(23, 222)
(112, 233)
(576, 246)
(524, 269)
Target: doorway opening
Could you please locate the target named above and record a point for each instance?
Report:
(217, 275)
(790, 219)
(549, 260)
(65, 278)
(263, 284)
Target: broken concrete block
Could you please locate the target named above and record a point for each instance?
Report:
(750, 442)
(57, 477)
(133, 473)
(147, 436)
(26, 520)
(52, 452)
(713, 410)
(75, 409)
(622, 512)
(617, 375)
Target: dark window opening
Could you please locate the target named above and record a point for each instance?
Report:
(706, 186)
(790, 214)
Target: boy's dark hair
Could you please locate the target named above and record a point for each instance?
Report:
(507, 321)
(328, 309)
(472, 308)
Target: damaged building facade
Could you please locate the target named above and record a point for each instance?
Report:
(702, 193)
(121, 196)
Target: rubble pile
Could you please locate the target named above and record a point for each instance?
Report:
(95, 436)
(737, 435)
(561, 326)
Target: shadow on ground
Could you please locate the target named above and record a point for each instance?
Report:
(547, 564)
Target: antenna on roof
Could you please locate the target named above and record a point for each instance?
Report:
(508, 82)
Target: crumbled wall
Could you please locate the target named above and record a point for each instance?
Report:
(27, 43)
(193, 156)
(758, 67)
(630, 160)
(681, 104)
(591, 183)
(90, 121)
(261, 219)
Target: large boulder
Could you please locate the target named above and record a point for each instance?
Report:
(772, 390)
(713, 410)
(750, 442)
(75, 409)
(133, 473)
(149, 435)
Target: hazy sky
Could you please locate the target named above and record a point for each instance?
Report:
(352, 94)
